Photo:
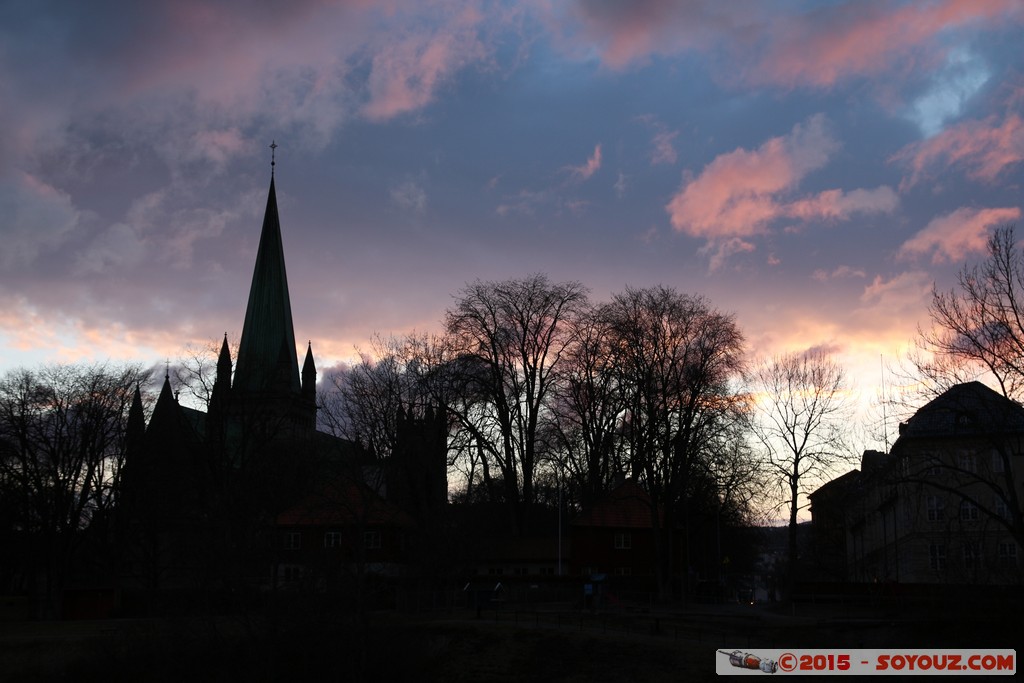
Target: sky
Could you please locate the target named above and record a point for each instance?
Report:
(810, 167)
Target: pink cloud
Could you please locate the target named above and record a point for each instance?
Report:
(624, 32)
(309, 68)
(405, 76)
(983, 148)
(835, 42)
(843, 272)
(735, 195)
(839, 205)
(720, 251)
(592, 165)
(953, 236)
(895, 303)
(740, 193)
(664, 150)
(818, 48)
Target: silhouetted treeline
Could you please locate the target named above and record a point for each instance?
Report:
(551, 396)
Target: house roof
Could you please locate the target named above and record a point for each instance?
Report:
(344, 502)
(627, 506)
(837, 487)
(969, 409)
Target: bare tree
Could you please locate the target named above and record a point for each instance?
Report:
(62, 445)
(363, 402)
(195, 370)
(801, 411)
(978, 327)
(511, 336)
(677, 358)
(977, 333)
(587, 410)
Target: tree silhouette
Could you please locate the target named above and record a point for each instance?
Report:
(512, 336)
(63, 437)
(801, 415)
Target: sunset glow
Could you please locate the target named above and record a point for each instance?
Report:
(811, 167)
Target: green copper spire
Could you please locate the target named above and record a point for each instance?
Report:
(268, 325)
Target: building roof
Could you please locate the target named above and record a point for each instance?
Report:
(969, 409)
(344, 502)
(837, 487)
(267, 354)
(626, 507)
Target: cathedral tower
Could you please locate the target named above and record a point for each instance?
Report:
(267, 382)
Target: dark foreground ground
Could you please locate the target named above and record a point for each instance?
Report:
(521, 645)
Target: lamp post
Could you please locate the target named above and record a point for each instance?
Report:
(558, 478)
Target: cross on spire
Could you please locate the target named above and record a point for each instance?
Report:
(273, 153)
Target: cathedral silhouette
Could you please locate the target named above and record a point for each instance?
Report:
(209, 497)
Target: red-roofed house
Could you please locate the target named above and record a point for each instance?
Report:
(342, 529)
(615, 536)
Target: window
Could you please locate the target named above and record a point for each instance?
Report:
(998, 466)
(293, 540)
(371, 539)
(968, 511)
(1007, 555)
(520, 571)
(291, 572)
(623, 571)
(623, 541)
(972, 555)
(936, 509)
(547, 571)
(967, 461)
(1002, 509)
(937, 556)
(332, 539)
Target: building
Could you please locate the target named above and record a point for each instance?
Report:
(942, 507)
(616, 536)
(214, 497)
